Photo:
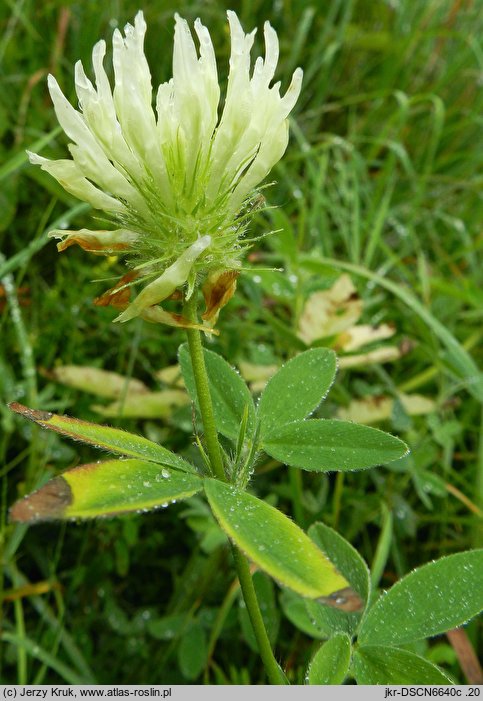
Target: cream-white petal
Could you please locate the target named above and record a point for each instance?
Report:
(287, 103)
(72, 180)
(270, 152)
(265, 68)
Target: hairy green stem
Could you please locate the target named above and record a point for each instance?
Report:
(272, 668)
(274, 673)
(203, 392)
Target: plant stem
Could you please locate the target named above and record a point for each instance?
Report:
(272, 668)
(274, 673)
(203, 391)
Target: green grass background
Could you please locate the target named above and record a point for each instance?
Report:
(382, 178)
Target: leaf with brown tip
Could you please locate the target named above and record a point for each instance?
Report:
(105, 489)
(105, 437)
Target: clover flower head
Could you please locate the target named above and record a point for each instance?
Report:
(175, 178)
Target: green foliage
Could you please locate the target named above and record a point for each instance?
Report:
(106, 488)
(436, 597)
(430, 600)
(295, 610)
(344, 556)
(323, 445)
(374, 664)
(192, 651)
(105, 437)
(329, 620)
(297, 389)
(272, 541)
(330, 663)
(268, 605)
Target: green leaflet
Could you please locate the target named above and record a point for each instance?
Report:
(105, 489)
(297, 389)
(168, 627)
(273, 542)
(324, 445)
(192, 650)
(229, 393)
(430, 600)
(294, 608)
(374, 664)
(112, 439)
(340, 613)
(330, 663)
(329, 619)
(344, 556)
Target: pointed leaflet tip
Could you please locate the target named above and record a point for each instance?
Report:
(47, 503)
(32, 414)
(107, 488)
(107, 438)
(345, 599)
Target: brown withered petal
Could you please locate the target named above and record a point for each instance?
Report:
(47, 503)
(91, 246)
(218, 289)
(99, 242)
(157, 315)
(119, 295)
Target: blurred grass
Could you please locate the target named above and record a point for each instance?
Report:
(382, 178)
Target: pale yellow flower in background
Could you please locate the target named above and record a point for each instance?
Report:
(175, 180)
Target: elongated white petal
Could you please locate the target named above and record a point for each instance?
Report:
(69, 119)
(191, 110)
(72, 180)
(87, 152)
(133, 92)
(265, 68)
(271, 151)
(238, 108)
(254, 114)
(173, 277)
(207, 63)
(292, 95)
(103, 86)
(100, 116)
